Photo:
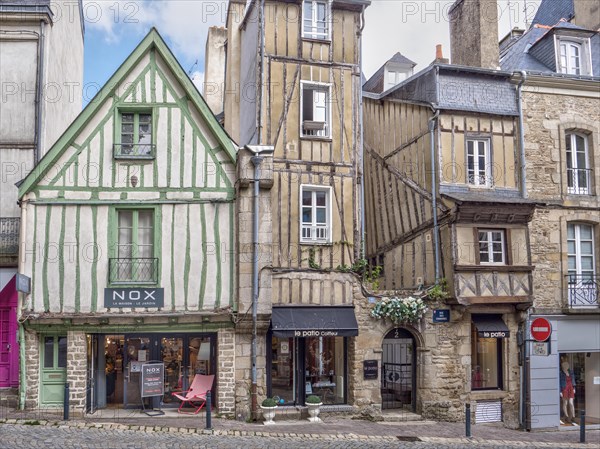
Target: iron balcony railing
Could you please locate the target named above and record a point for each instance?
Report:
(133, 270)
(578, 181)
(582, 290)
(134, 151)
(9, 236)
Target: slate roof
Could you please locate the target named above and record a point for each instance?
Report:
(551, 11)
(375, 83)
(517, 57)
(25, 2)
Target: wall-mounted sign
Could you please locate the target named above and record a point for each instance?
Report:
(541, 329)
(540, 348)
(370, 369)
(153, 379)
(23, 283)
(441, 315)
(134, 297)
(494, 334)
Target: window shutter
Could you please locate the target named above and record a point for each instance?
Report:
(320, 106)
(307, 104)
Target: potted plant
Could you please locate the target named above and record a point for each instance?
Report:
(268, 407)
(313, 403)
(400, 310)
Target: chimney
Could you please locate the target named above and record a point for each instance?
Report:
(587, 14)
(474, 33)
(214, 68)
(439, 55)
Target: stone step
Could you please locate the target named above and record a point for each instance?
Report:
(400, 416)
(387, 405)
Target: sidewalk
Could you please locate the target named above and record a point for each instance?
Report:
(333, 427)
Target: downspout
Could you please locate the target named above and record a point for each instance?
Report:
(38, 96)
(256, 161)
(261, 77)
(522, 132)
(361, 149)
(436, 240)
(21, 329)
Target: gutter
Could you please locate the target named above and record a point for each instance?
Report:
(521, 133)
(436, 241)
(21, 329)
(259, 121)
(361, 148)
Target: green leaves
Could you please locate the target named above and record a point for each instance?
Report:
(400, 310)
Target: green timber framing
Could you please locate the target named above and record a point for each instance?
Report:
(64, 194)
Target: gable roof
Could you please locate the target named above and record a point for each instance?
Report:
(153, 40)
(551, 11)
(376, 82)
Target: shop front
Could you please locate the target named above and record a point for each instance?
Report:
(308, 353)
(565, 380)
(115, 364)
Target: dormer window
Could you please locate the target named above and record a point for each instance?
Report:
(573, 56)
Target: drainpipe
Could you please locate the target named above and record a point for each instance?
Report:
(259, 153)
(261, 77)
(21, 329)
(521, 132)
(361, 148)
(38, 96)
(436, 242)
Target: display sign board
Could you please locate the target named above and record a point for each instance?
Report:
(540, 348)
(153, 379)
(23, 283)
(134, 297)
(441, 315)
(541, 329)
(370, 369)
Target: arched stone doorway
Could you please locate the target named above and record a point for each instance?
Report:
(399, 371)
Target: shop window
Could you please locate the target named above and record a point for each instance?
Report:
(315, 110)
(134, 139)
(315, 214)
(134, 261)
(492, 249)
(316, 19)
(300, 367)
(579, 387)
(578, 167)
(486, 362)
(479, 165)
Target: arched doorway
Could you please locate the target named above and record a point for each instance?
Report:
(398, 371)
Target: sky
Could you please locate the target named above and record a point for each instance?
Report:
(115, 27)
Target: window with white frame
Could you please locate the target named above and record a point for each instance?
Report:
(582, 279)
(578, 171)
(491, 246)
(135, 136)
(316, 19)
(315, 110)
(573, 56)
(315, 213)
(479, 167)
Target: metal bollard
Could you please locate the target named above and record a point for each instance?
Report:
(66, 403)
(582, 426)
(208, 411)
(468, 420)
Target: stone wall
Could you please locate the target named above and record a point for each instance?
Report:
(226, 372)
(32, 369)
(77, 369)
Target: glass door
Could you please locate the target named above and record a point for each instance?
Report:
(172, 355)
(284, 379)
(137, 352)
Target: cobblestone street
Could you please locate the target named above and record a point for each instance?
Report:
(81, 435)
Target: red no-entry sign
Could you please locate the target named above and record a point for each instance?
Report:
(541, 329)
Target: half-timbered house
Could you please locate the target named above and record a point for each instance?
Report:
(128, 239)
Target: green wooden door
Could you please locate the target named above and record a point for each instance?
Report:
(53, 369)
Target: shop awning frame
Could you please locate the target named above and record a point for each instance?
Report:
(490, 326)
(309, 321)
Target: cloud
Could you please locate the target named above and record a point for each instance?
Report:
(198, 80)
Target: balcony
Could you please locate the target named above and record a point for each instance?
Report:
(314, 129)
(9, 240)
(133, 271)
(578, 181)
(582, 290)
(134, 151)
(493, 284)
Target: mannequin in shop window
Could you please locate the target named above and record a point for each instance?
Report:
(477, 379)
(567, 392)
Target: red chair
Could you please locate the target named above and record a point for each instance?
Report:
(196, 395)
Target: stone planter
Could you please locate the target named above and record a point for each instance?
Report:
(313, 412)
(268, 414)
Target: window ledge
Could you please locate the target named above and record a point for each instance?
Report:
(485, 395)
(311, 243)
(322, 139)
(324, 40)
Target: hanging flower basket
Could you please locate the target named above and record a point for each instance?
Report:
(400, 310)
